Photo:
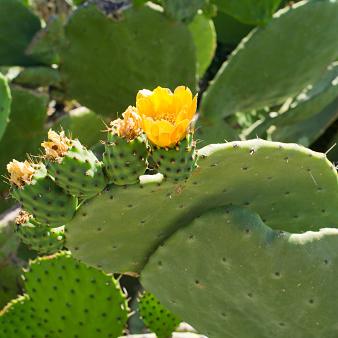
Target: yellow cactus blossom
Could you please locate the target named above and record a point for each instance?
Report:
(166, 116)
(130, 126)
(21, 173)
(57, 145)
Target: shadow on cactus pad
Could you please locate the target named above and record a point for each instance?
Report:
(229, 275)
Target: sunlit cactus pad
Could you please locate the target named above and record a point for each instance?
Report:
(65, 298)
(229, 275)
(290, 187)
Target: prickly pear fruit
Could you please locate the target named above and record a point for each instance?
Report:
(74, 168)
(39, 237)
(125, 155)
(176, 164)
(39, 195)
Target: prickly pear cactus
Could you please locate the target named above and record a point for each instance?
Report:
(240, 278)
(40, 196)
(156, 317)
(126, 149)
(65, 298)
(176, 164)
(39, 237)
(272, 179)
(74, 168)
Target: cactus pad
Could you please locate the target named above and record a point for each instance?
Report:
(281, 76)
(28, 112)
(41, 238)
(66, 299)
(176, 163)
(128, 50)
(292, 188)
(124, 160)
(5, 104)
(253, 278)
(17, 27)
(258, 12)
(18, 319)
(46, 201)
(78, 172)
(156, 317)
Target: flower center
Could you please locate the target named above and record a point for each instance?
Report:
(170, 117)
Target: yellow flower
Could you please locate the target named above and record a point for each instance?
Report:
(57, 145)
(166, 116)
(21, 173)
(130, 126)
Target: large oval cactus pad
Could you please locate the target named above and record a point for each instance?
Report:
(292, 188)
(229, 275)
(140, 50)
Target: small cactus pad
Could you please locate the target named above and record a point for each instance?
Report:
(156, 317)
(46, 201)
(69, 300)
(41, 238)
(78, 172)
(124, 160)
(293, 189)
(176, 163)
(229, 275)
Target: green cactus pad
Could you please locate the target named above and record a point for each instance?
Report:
(10, 262)
(182, 10)
(17, 27)
(308, 131)
(47, 43)
(204, 34)
(28, 113)
(229, 30)
(128, 50)
(84, 124)
(38, 77)
(292, 188)
(247, 11)
(78, 172)
(5, 104)
(18, 319)
(65, 299)
(280, 76)
(124, 160)
(46, 201)
(176, 163)
(256, 282)
(41, 238)
(303, 109)
(156, 317)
